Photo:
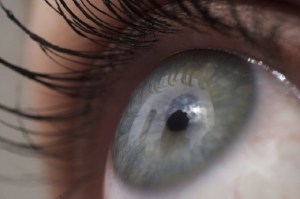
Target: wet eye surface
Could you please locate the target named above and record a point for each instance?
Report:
(182, 116)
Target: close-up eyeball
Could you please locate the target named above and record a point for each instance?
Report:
(150, 99)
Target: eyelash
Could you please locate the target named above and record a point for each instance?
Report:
(138, 23)
(122, 42)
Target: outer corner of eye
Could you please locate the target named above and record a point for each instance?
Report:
(184, 117)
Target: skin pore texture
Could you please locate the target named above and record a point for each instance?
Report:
(263, 163)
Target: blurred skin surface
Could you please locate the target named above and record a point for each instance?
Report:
(275, 174)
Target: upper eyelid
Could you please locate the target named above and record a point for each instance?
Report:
(122, 40)
(140, 27)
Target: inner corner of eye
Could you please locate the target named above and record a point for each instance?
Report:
(182, 117)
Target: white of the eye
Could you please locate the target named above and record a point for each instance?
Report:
(263, 163)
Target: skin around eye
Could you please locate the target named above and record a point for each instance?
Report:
(236, 176)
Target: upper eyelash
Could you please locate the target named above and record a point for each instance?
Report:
(142, 18)
(129, 15)
(139, 18)
(123, 40)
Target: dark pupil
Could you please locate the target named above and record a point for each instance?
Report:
(178, 121)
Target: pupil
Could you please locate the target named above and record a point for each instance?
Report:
(178, 121)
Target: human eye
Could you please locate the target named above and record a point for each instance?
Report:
(242, 55)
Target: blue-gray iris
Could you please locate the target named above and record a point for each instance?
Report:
(183, 116)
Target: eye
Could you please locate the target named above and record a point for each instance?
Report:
(221, 68)
(154, 157)
(182, 116)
